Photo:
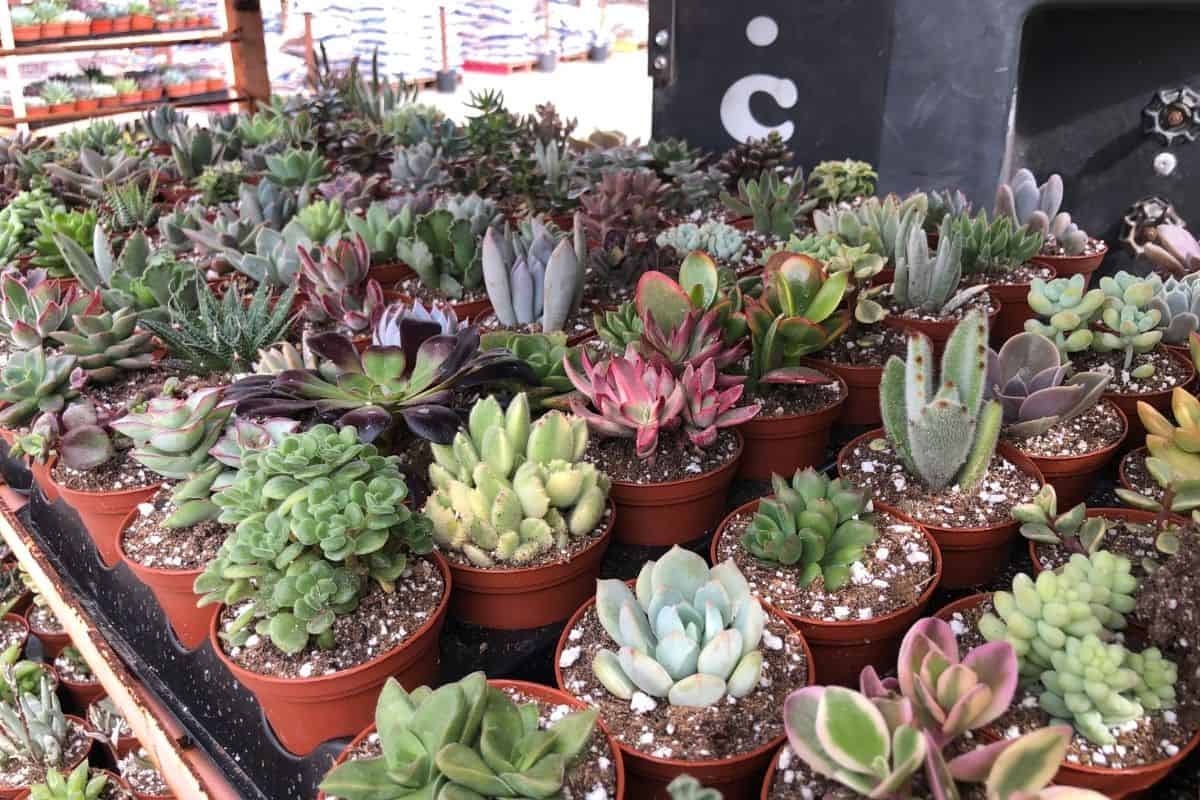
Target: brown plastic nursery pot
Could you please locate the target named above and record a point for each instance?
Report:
(88, 104)
(781, 445)
(1074, 476)
(861, 404)
(1066, 266)
(737, 778)
(14, 792)
(970, 556)
(122, 24)
(544, 693)
(663, 514)
(172, 589)
(41, 474)
(840, 650)
(304, 712)
(1123, 465)
(141, 22)
(389, 275)
(27, 33)
(54, 30)
(516, 599)
(124, 744)
(110, 102)
(1014, 309)
(101, 27)
(214, 84)
(939, 330)
(79, 28)
(52, 643)
(104, 513)
(1161, 400)
(37, 112)
(82, 694)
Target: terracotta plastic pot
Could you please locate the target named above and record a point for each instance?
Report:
(840, 650)
(110, 102)
(971, 556)
(101, 27)
(37, 112)
(861, 404)
(20, 620)
(1074, 476)
(27, 33)
(214, 84)
(141, 22)
(544, 693)
(103, 514)
(88, 104)
(1014, 309)
(123, 745)
(517, 599)
(1136, 434)
(737, 778)
(149, 96)
(197, 86)
(130, 98)
(82, 694)
(60, 108)
(52, 643)
(14, 792)
(177, 90)
(1123, 466)
(781, 445)
(54, 30)
(303, 712)
(79, 28)
(122, 24)
(390, 274)
(1066, 266)
(147, 796)
(663, 514)
(172, 589)
(946, 612)
(938, 331)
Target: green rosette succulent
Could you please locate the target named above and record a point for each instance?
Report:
(508, 490)
(1065, 307)
(318, 517)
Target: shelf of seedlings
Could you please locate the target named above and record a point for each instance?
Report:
(352, 475)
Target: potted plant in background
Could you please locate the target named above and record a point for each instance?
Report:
(59, 97)
(690, 679)
(144, 779)
(321, 532)
(176, 82)
(105, 94)
(26, 25)
(49, 14)
(77, 678)
(82, 783)
(85, 100)
(76, 23)
(798, 550)
(103, 17)
(38, 737)
(1067, 249)
(127, 91)
(122, 21)
(943, 434)
(523, 521)
(141, 17)
(35, 107)
(104, 716)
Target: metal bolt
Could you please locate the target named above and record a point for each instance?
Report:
(1165, 163)
(662, 38)
(660, 62)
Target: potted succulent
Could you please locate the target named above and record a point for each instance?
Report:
(197, 84)
(141, 17)
(213, 82)
(889, 735)
(802, 564)
(1062, 423)
(35, 107)
(105, 718)
(21, 676)
(82, 783)
(85, 99)
(49, 14)
(544, 752)
(76, 23)
(680, 689)
(38, 737)
(523, 521)
(103, 18)
(105, 94)
(1066, 248)
(59, 97)
(176, 82)
(76, 677)
(379, 228)
(127, 91)
(122, 21)
(299, 559)
(881, 226)
(26, 25)
(150, 88)
(943, 434)
(1178, 300)
(42, 623)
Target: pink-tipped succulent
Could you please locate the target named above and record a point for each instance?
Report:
(337, 287)
(709, 408)
(32, 307)
(631, 397)
(246, 436)
(1173, 249)
(679, 331)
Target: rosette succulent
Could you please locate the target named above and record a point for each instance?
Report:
(1066, 307)
(1132, 318)
(722, 242)
(106, 345)
(83, 783)
(507, 490)
(401, 321)
(32, 307)
(1030, 381)
(34, 381)
(1179, 303)
(834, 181)
(318, 518)
(337, 287)
(818, 525)
(444, 253)
(689, 633)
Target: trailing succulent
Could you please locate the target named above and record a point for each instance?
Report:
(462, 740)
(318, 518)
(818, 525)
(687, 633)
(1066, 307)
(507, 490)
(1029, 379)
(948, 435)
(534, 277)
(875, 740)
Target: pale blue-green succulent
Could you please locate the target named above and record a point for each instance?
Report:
(929, 284)
(1066, 307)
(689, 633)
(1133, 320)
(722, 242)
(533, 276)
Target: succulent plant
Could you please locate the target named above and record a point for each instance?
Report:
(1179, 303)
(106, 344)
(20, 675)
(1066, 307)
(943, 204)
(1089, 595)
(689, 633)
(1028, 204)
(444, 253)
(323, 221)
(711, 404)
(78, 226)
(401, 321)
(413, 382)
(544, 354)
(930, 284)
(337, 288)
(132, 206)
(622, 258)
(353, 191)
(1133, 320)
(685, 787)
(295, 168)
(171, 229)
(624, 201)
(1028, 377)
(220, 182)
(317, 517)
(33, 729)
(79, 434)
(951, 436)
(834, 181)
(1071, 530)
(83, 783)
(1068, 235)
(244, 436)
(106, 718)
(97, 174)
(507, 490)
(464, 739)
(754, 157)
(275, 256)
(531, 279)
(796, 314)
(381, 230)
(619, 327)
(478, 212)
(34, 381)
(774, 203)
(419, 166)
(159, 122)
(820, 526)
(194, 150)
(1177, 444)
(993, 247)
(1173, 249)
(885, 226)
(688, 327)
(266, 204)
(173, 435)
(229, 231)
(722, 242)
(32, 307)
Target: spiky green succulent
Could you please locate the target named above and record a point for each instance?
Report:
(33, 729)
(774, 203)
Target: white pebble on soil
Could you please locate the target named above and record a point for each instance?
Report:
(568, 656)
(642, 703)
